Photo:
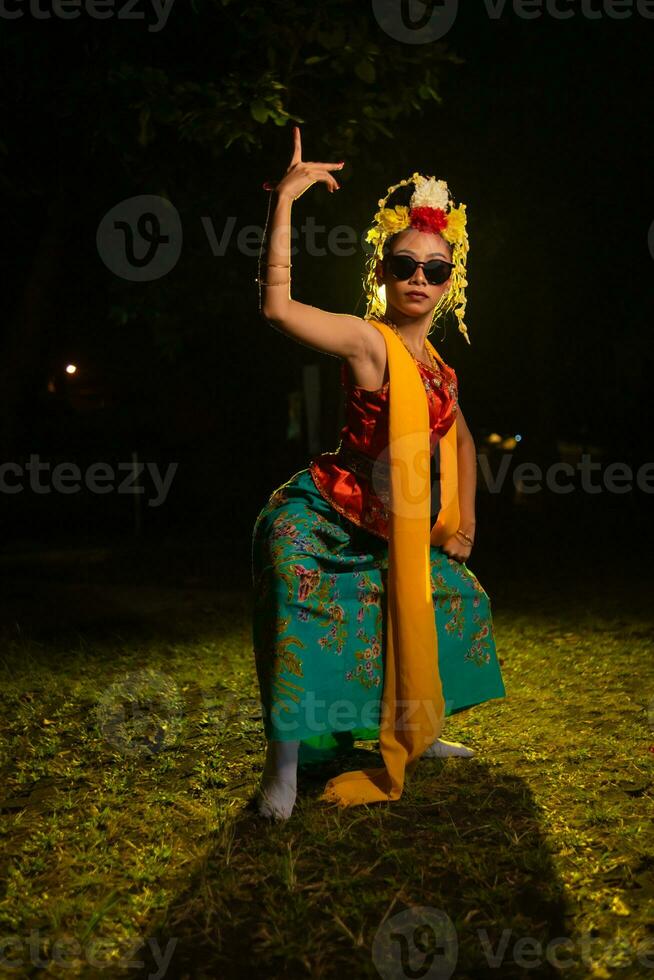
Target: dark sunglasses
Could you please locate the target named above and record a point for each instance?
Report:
(437, 271)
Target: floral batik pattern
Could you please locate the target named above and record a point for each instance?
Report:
(318, 624)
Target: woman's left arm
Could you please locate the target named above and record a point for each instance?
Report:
(467, 474)
(455, 546)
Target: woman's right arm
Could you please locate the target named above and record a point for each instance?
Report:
(333, 333)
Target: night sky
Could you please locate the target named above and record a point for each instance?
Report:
(544, 131)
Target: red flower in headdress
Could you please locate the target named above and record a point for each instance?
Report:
(433, 220)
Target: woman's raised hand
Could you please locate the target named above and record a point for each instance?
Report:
(300, 174)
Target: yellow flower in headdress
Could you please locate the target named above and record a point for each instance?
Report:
(392, 220)
(456, 225)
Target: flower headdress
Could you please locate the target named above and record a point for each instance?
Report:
(431, 209)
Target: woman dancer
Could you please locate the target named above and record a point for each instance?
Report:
(367, 624)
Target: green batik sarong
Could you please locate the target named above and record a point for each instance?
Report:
(318, 625)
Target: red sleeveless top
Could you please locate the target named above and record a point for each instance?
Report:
(351, 478)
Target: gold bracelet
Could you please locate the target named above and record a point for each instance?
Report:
(465, 536)
(262, 283)
(278, 265)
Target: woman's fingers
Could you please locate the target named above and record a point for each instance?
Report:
(296, 159)
(325, 166)
(300, 170)
(326, 179)
(297, 146)
(315, 171)
(332, 184)
(323, 170)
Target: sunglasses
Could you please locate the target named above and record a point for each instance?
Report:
(437, 271)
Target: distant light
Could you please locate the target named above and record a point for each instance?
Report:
(518, 437)
(494, 437)
(71, 368)
(509, 443)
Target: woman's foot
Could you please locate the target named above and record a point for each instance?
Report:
(275, 800)
(440, 749)
(275, 797)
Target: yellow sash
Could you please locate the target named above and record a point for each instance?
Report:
(413, 707)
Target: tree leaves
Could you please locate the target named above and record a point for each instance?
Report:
(214, 95)
(259, 110)
(365, 70)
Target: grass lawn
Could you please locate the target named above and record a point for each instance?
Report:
(131, 743)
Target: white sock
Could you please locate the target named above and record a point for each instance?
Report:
(278, 787)
(441, 749)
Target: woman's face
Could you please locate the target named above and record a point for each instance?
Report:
(403, 296)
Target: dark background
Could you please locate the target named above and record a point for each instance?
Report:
(542, 127)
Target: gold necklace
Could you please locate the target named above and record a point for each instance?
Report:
(433, 363)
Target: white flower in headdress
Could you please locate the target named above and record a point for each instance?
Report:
(430, 193)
